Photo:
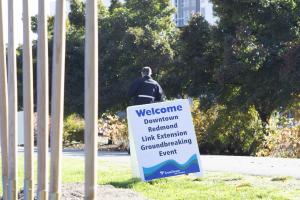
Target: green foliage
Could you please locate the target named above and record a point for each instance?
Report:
(136, 34)
(237, 132)
(73, 129)
(129, 37)
(74, 75)
(242, 70)
(212, 186)
(77, 14)
(223, 131)
(260, 54)
(196, 61)
(50, 25)
(114, 4)
(203, 120)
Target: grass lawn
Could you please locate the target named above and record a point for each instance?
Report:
(211, 186)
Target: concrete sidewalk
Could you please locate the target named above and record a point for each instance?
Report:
(262, 166)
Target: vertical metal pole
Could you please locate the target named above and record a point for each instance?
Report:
(57, 99)
(28, 103)
(91, 98)
(42, 101)
(3, 108)
(12, 104)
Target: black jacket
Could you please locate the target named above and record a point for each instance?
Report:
(145, 90)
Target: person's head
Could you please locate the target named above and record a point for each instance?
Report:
(146, 71)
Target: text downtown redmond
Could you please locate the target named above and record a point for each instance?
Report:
(162, 144)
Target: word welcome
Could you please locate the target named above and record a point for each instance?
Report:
(157, 111)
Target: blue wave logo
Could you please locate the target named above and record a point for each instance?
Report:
(171, 168)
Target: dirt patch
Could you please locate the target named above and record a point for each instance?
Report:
(107, 147)
(75, 191)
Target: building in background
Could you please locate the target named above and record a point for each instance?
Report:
(186, 8)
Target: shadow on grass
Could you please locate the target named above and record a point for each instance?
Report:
(284, 178)
(125, 184)
(130, 182)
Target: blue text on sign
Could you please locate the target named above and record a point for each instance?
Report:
(154, 111)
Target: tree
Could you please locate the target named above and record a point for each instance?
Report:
(129, 38)
(74, 83)
(136, 34)
(197, 58)
(260, 54)
(126, 44)
(114, 4)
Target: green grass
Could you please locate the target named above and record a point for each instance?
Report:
(212, 186)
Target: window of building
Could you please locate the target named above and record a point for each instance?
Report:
(193, 4)
(185, 3)
(202, 12)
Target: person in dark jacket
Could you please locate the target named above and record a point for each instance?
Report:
(145, 90)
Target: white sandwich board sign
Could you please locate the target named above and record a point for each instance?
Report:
(162, 140)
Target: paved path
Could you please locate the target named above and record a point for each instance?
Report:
(264, 166)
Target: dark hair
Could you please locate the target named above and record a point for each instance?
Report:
(146, 71)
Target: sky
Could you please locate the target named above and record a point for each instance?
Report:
(18, 17)
(33, 11)
(106, 2)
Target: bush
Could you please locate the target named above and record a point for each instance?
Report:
(283, 142)
(203, 120)
(73, 129)
(115, 128)
(109, 125)
(283, 139)
(223, 131)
